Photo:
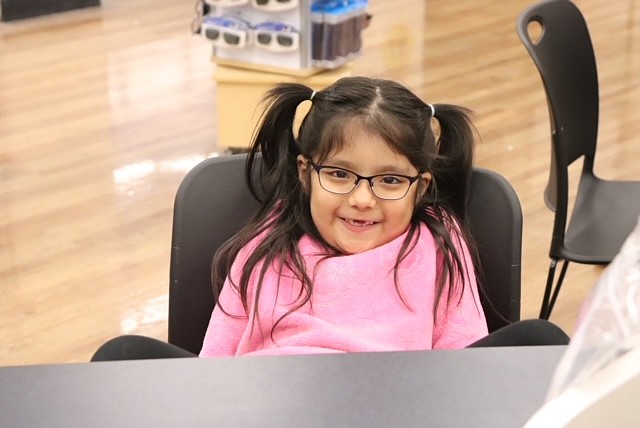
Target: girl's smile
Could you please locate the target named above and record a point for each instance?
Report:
(359, 226)
(359, 221)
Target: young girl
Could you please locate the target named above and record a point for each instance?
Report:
(360, 243)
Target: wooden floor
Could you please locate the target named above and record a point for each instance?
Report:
(103, 111)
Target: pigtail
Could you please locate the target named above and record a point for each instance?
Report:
(443, 206)
(452, 164)
(274, 140)
(283, 204)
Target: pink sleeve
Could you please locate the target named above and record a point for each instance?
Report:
(461, 321)
(225, 329)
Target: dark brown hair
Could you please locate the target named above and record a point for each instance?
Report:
(379, 106)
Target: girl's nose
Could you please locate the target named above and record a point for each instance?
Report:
(362, 196)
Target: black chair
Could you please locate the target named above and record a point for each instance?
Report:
(604, 211)
(213, 203)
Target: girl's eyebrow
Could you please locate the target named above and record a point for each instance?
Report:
(379, 169)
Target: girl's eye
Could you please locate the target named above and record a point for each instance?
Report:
(338, 173)
(390, 179)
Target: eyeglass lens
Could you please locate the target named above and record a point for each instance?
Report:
(284, 40)
(231, 39)
(212, 33)
(264, 38)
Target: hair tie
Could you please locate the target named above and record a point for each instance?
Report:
(433, 110)
(313, 94)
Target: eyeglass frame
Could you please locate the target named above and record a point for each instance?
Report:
(275, 5)
(359, 178)
(229, 3)
(227, 26)
(275, 30)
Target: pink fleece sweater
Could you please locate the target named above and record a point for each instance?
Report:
(355, 306)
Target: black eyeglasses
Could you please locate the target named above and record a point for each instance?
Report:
(384, 186)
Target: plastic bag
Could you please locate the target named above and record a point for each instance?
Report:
(609, 325)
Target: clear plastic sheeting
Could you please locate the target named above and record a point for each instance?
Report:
(609, 324)
(597, 381)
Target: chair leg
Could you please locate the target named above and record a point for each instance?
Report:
(547, 290)
(549, 299)
(563, 271)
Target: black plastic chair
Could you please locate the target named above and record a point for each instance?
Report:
(213, 203)
(605, 211)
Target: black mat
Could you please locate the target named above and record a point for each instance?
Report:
(13, 10)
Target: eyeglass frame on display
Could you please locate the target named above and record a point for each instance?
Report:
(226, 3)
(276, 30)
(239, 28)
(275, 5)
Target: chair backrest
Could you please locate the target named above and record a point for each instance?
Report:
(213, 203)
(495, 219)
(562, 51)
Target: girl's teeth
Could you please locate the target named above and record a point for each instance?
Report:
(359, 222)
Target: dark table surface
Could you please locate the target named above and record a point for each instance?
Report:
(481, 387)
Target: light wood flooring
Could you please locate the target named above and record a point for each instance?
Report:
(104, 110)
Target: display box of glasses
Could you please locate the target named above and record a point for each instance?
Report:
(292, 36)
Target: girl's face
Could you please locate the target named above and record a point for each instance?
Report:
(359, 221)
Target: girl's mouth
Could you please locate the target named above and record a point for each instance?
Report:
(358, 223)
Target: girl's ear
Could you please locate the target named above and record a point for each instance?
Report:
(303, 170)
(424, 183)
